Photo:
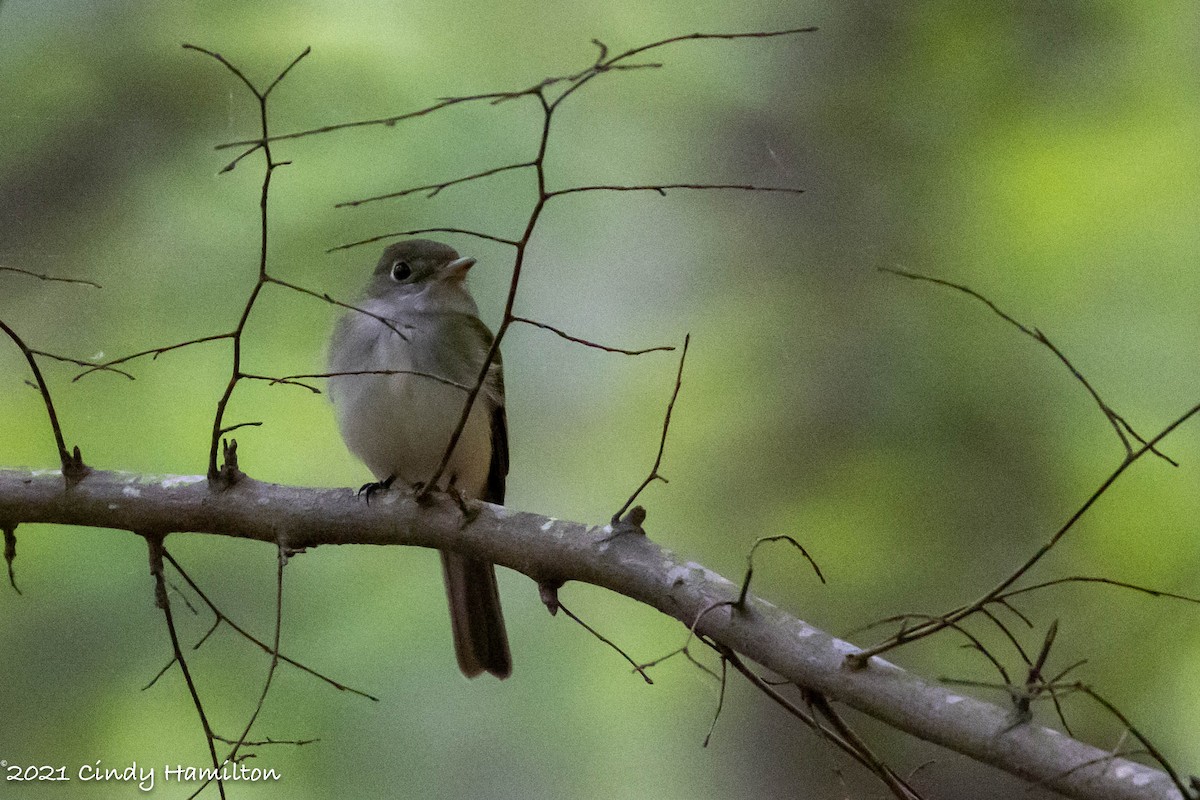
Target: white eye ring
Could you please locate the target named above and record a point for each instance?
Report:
(401, 270)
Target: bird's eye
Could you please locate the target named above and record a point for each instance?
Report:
(400, 270)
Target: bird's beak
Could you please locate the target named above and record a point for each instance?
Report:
(457, 269)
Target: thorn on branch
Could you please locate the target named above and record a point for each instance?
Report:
(10, 553)
(228, 474)
(74, 470)
(548, 592)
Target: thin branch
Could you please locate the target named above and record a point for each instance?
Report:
(389, 323)
(281, 562)
(287, 380)
(662, 442)
(600, 66)
(750, 562)
(895, 784)
(940, 623)
(720, 700)
(1118, 423)
(69, 467)
(679, 651)
(386, 121)
(267, 741)
(661, 188)
(595, 345)
(434, 189)
(548, 106)
(79, 362)
(636, 667)
(154, 351)
(606, 65)
(155, 545)
(1094, 579)
(808, 719)
(42, 277)
(228, 471)
(382, 236)
(221, 617)
(294, 379)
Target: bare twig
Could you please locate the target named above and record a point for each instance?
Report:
(294, 380)
(1095, 579)
(281, 562)
(661, 188)
(542, 93)
(391, 324)
(416, 231)
(576, 80)
(662, 442)
(155, 545)
(686, 653)
(434, 189)
(386, 121)
(1118, 423)
(267, 741)
(595, 345)
(270, 165)
(221, 617)
(940, 623)
(720, 700)
(153, 351)
(79, 362)
(895, 784)
(636, 667)
(42, 277)
(741, 601)
(70, 466)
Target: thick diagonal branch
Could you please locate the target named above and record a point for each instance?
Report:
(556, 550)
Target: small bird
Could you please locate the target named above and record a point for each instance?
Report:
(400, 424)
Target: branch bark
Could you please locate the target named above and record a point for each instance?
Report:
(549, 550)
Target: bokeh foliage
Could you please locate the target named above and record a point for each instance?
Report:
(1043, 153)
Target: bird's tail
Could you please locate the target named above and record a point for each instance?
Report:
(480, 640)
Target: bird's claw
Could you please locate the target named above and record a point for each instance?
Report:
(370, 489)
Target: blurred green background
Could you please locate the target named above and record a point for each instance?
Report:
(1045, 154)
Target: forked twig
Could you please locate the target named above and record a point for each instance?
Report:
(155, 545)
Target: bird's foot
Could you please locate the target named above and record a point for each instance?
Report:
(370, 489)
